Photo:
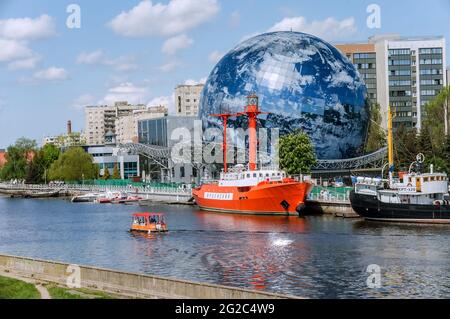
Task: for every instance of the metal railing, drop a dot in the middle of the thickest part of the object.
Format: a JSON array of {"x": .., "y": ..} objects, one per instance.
[{"x": 99, "y": 188}]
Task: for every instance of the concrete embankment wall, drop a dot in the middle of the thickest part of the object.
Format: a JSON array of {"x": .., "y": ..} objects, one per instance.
[{"x": 124, "y": 283}]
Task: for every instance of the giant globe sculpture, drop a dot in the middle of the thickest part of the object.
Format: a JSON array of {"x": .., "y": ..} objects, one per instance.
[{"x": 304, "y": 82}]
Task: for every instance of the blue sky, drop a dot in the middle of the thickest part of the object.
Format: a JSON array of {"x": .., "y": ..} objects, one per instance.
[{"x": 140, "y": 50}]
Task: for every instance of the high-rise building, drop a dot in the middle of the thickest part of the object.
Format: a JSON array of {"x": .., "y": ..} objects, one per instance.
[
  {"x": 409, "y": 73},
  {"x": 101, "y": 119},
  {"x": 127, "y": 126},
  {"x": 187, "y": 99}
]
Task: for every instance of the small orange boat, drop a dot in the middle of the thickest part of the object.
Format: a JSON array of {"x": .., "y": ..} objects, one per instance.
[{"x": 149, "y": 223}]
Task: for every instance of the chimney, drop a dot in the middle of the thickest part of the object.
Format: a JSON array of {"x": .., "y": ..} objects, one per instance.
[{"x": 69, "y": 127}]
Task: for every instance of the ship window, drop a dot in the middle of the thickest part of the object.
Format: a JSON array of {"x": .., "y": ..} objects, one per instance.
[
  {"x": 278, "y": 174},
  {"x": 425, "y": 179},
  {"x": 432, "y": 179},
  {"x": 410, "y": 180},
  {"x": 248, "y": 175},
  {"x": 254, "y": 175},
  {"x": 260, "y": 175},
  {"x": 267, "y": 175}
]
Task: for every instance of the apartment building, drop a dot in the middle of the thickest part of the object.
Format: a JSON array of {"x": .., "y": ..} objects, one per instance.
[
  {"x": 187, "y": 99},
  {"x": 405, "y": 73},
  {"x": 101, "y": 119},
  {"x": 127, "y": 126}
]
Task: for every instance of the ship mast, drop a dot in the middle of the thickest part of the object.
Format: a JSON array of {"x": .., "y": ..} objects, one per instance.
[
  {"x": 224, "y": 117},
  {"x": 252, "y": 111},
  {"x": 390, "y": 145}
]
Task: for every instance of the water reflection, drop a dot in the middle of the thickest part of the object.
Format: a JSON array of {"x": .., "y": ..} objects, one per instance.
[{"x": 320, "y": 257}]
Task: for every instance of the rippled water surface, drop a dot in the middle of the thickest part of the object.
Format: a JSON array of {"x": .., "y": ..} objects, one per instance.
[{"x": 315, "y": 257}]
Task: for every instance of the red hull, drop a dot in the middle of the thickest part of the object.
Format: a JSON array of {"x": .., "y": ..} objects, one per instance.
[{"x": 264, "y": 199}]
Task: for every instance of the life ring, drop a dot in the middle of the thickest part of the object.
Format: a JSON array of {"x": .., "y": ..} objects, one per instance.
[{"x": 409, "y": 185}]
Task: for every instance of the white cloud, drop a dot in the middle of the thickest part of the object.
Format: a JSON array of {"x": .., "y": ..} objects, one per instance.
[
  {"x": 98, "y": 57},
  {"x": 169, "y": 66},
  {"x": 215, "y": 57},
  {"x": 235, "y": 19},
  {"x": 27, "y": 28},
  {"x": 328, "y": 29},
  {"x": 178, "y": 16},
  {"x": 83, "y": 100},
  {"x": 125, "y": 92},
  {"x": 176, "y": 43},
  {"x": 94, "y": 57},
  {"x": 22, "y": 64},
  {"x": 167, "y": 101},
  {"x": 195, "y": 82},
  {"x": 51, "y": 74},
  {"x": 13, "y": 49}
]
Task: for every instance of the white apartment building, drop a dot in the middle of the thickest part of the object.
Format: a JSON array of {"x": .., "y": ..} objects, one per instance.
[
  {"x": 187, "y": 99},
  {"x": 410, "y": 73},
  {"x": 101, "y": 119},
  {"x": 127, "y": 126}
]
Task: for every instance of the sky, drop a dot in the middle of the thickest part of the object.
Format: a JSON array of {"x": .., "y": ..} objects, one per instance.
[{"x": 51, "y": 65}]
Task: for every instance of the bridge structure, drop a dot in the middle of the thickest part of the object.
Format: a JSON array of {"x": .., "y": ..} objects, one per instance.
[{"x": 370, "y": 162}]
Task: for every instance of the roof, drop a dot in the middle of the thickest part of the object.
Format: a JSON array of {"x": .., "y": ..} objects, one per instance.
[{"x": 147, "y": 214}]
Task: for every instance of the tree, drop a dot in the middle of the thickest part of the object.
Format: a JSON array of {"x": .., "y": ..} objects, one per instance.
[
  {"x": 17, "y": 158},
  {"x": 405, "y": 146},
  {"x": 297, "y": 154},
  {"x": 116, "y": 173},
  {"x": 376, "y": 138},
  {"x": 106, "y": 174},
  {"x": 73, "y": 165},
  {"x": 37, "y": 168}
]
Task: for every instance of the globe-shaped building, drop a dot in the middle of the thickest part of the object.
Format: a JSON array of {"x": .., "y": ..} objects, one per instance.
[{"x": 304, "y": 82}]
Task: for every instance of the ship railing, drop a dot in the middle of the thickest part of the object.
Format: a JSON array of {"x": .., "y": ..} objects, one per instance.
[{"x": 329, "y": 198}]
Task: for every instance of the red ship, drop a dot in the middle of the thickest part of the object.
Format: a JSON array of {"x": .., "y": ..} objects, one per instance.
[{"x": 252, "y": 191}]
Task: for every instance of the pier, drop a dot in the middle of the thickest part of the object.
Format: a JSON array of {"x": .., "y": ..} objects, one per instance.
[{"x": 167, "y": 195}]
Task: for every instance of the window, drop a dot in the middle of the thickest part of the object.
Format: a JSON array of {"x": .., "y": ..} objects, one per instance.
[
  {"x": 399, "y": 52},
  {"x": 399, "y": 62},
  {"x": 430, "y": 51}
]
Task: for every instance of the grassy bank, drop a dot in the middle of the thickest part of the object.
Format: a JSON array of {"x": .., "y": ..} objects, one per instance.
[
  {"x": 57, "y": 292},
  {"x": 17, "y": 289}
]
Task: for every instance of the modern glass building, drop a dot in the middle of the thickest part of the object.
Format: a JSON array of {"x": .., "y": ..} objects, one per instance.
[{"x": 158, "y": 132}]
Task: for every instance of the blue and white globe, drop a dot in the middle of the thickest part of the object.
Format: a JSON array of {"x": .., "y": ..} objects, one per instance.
[{"x": 304, "y": 82}]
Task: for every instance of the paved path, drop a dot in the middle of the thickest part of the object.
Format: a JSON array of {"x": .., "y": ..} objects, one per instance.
[{"x": 41, "y": 289}]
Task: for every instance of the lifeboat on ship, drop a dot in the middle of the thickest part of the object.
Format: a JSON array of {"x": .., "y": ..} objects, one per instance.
[{"x": 263, "y": 191}]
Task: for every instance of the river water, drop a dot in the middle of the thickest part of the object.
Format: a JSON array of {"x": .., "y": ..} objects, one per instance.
[{"x": 314, "y": 257}]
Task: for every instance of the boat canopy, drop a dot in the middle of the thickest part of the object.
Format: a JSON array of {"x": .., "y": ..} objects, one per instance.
[{"x": 147, "y": 214}]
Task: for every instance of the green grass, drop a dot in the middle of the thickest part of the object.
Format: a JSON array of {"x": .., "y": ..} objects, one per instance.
[
  {"x": 17, "y": 289},
  {"x": 57, "y": 292}
]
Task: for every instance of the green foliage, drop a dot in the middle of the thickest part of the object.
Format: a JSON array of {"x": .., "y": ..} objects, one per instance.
[
  {"x": 106, "y": 174},
  {"x": 297, "y": 154},
  {"x": 37, "y": 168},
  {"x": 17, "y": 158},
  {"x": 116, "y": 172},
  {"x": 17, "y": 289},
  {"x": 74, "y": 164},
  {"x": 431, "y": 141},
  {"x": 376, "y": 138}
]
